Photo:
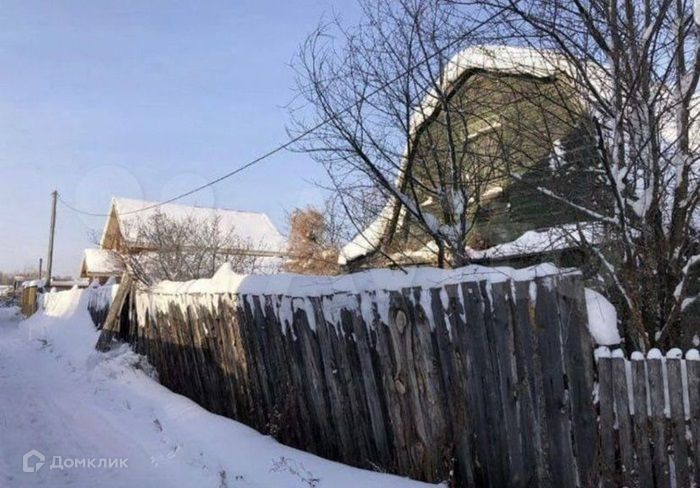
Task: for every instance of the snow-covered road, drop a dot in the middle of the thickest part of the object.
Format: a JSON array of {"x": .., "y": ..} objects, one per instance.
[
  {"x": 64, "y": 400},
  {"x": 44, "y": 408}
]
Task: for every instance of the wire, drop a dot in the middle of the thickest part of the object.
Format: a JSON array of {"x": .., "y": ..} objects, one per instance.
[{"x": 300, "y": 136}]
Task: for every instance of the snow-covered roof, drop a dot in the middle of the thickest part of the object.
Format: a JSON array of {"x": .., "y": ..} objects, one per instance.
[
  {"x": 101, "y": 262},
  {"x": 532, "y": 242},
  {"x": 367, "y": 240},
  {"x": 254, "y": 230},
  {"x": 40, "y": 283},
  {"x": 507, "y": 60}
]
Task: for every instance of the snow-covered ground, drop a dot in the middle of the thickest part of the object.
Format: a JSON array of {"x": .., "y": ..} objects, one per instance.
[{"x": 91, "y": 410}]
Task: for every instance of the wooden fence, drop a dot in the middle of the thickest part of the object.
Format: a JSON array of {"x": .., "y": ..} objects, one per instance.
[
  {"x": 486, "y": 383},
  {"x": 650, "y": 420}
]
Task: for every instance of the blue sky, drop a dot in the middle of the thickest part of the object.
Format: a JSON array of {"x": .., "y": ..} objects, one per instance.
[{"x": 144, "y": 99}]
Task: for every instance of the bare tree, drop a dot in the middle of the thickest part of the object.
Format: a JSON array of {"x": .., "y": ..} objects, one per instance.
[
  {"x": 375, "y": 92},
  {"x": 606, "y": 133},
  {"x": 178, "y": 249},
  {"x": 635, "y": 67}
]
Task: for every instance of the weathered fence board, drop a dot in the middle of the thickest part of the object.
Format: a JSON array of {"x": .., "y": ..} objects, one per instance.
[
  {"x": 653, "y": 435},
  {"x": 643, "y": 472},
  {"x": 693, "y": 370},
  {"x": 607, "y": 423}
]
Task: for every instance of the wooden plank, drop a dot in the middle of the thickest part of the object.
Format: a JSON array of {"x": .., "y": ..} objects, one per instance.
[
  {"x": 263, "y": 350},
  {"x": 392, "y": 390},
  {"x": 441, "y": 334},
  {"x": 405, "y": 382},
  {"x": 607, "y": 422},
  {"x": 624, "y": 421},
  {"x": 369, "y": 385},
  {"x": 643, "y": 472},
  {"x": 492, "y": 391},
  {"x": 462, "y": 426},
  {"x": 487, "y": 472},
  {"x": 505, "y": 357},
  {"x": 279, "y": 424},
  {"x": 532, "y": 425},
  {"x": 314, "y": 384},
  {"x": 678, "y": 432},
  {"x": 234, "y": 316},
  {"x": 339, "y": 417},
  {"x": 110, "y": 328},
  {"x": 248, "y": 331},
  {"x": 579, "y": 367},
  {"x": 561, "y": 458},
  {"x": 359, "y": 387},
  {"x": 658, "y": 418},
  {"x": 427, "y": 396},
  {"x": 693, "y": 369}
]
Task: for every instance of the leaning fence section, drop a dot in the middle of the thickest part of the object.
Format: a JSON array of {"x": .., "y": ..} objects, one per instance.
[
  {"x": 649, "y": 418},
  {"x": 488, "y": 382},
  {"x": 99, "y": 302}
]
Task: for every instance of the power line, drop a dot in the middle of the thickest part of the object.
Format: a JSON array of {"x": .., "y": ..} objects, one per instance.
[{"x": 300, "y": 136}]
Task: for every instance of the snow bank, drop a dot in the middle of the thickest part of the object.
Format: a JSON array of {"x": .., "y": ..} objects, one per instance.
[
  {"x": 165, "y": 436},
  {"x": 63, "y": 321},
  {"x": 602, "y": 319}
]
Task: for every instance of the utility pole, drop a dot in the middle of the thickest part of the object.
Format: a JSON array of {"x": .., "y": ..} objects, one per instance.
[
  {"x": 41, "y": 265},
  {"x": 52, "y": 232}
]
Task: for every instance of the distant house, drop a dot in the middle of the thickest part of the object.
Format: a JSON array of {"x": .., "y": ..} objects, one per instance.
[
  {"x": 250, "y": 234},
  {"x": 100, "y": 264}
]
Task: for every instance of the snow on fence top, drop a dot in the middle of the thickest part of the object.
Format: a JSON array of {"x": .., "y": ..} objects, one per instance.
[
  {"x": 293, "y": 292},
  {"x": 227, "y": 281}
]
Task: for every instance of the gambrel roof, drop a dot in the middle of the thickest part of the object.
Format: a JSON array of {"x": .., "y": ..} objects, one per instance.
[{"x": 506, "y": 60}]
